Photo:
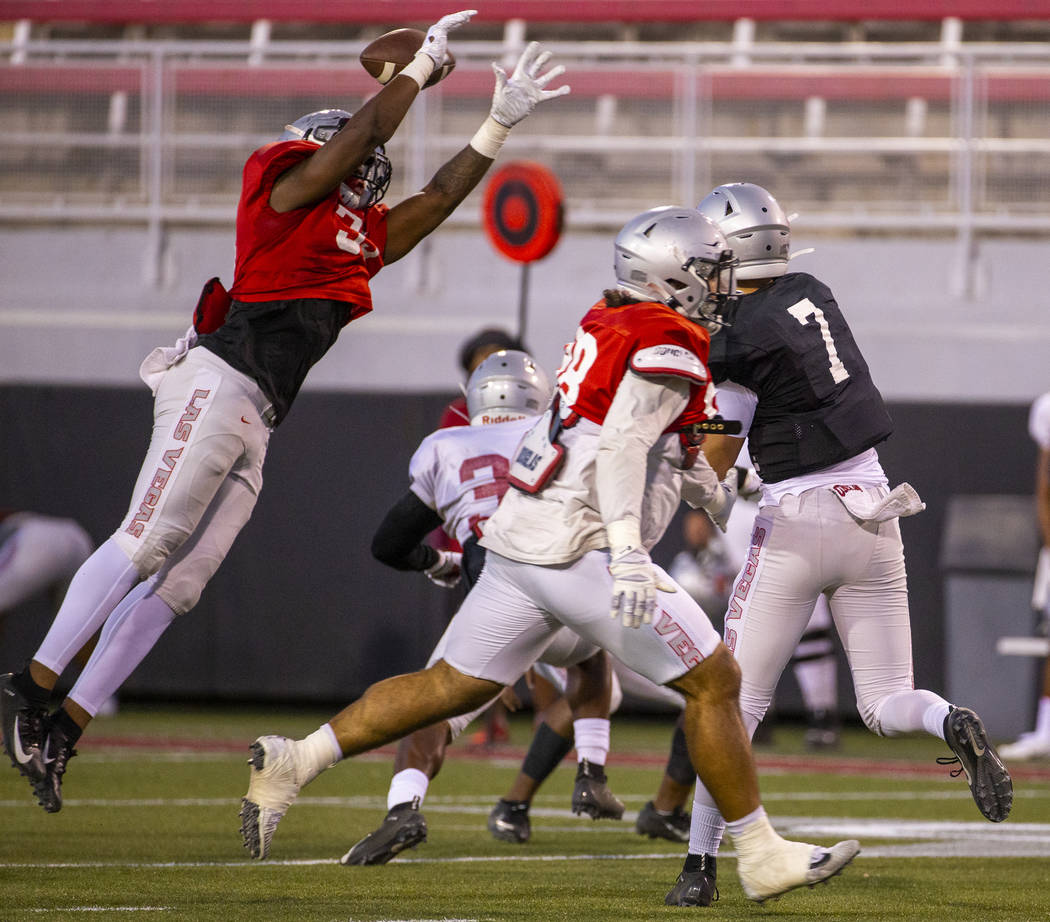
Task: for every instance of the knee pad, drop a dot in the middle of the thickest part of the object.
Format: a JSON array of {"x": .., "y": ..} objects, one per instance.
[{"x": 181, "y": 584}]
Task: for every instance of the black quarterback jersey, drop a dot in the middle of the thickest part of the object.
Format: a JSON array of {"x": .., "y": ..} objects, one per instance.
[{"x": 817, "y": 405}]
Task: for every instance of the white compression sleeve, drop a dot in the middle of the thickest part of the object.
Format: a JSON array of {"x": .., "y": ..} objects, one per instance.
[{"x": 642, "y": 408}]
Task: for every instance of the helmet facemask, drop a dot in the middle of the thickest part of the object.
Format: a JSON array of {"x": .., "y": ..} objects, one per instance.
[
  {"x": 677, "y": 257},
  {"x": 717, "y": 309},
  {"x": 369, "y": 181}
]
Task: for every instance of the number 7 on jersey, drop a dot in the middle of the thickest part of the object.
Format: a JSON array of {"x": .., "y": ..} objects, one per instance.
[{"x": 805, "y": 309}]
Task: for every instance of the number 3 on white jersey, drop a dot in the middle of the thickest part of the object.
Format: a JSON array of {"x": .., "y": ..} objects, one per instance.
[
  {"x": 579, "y": 357},
  {"x": 802, "y": 312}
]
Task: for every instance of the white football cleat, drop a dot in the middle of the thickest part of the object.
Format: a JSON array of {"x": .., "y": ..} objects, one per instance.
[
  {"x": 273, "y": 786},
  {"x": 1027, "y": 746},
  {"x": 769, "y": 865}
]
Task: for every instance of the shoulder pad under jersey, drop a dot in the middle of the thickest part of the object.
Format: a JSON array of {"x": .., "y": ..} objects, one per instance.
[{"x": 669, "y": 359}]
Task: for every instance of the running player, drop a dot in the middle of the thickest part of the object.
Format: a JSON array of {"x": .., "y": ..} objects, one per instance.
[
  {"x": 458, "y": 476},
  {"x": 790, "y": 371},
  {"x": 598, "y": 478}
]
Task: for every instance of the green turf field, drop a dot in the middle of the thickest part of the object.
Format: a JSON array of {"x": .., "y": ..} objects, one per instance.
[{"x": 149, "y": 830}]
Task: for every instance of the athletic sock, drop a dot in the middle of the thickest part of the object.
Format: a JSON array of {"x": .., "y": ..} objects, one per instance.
[
  {"x": 409, "y": 784},
  {"x": 705, "y": 830},
  {"x": 592, "y": 739},
  {"x": 1042, "y": 718},
  {"x": 316, "y": 752}
]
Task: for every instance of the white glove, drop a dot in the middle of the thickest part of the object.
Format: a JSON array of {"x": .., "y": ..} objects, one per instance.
[
  {"x": 748, "y": 483},
  {"x": 435, "y": 45},
  {"x": 634, "y": 580},
  {"x": 721, "y": 503},
  {"x": 634, "y": 587},
  {"x": 516, "y": 96},
  {"x": 447, "y": 571}
]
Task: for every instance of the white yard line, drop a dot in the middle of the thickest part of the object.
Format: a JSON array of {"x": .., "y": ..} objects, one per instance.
[{"x": 935, "y": 840}]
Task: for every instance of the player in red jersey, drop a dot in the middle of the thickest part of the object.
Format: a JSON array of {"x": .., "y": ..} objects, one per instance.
[
  {"x": 599, "y": 477},
  {"x": 310, "y": 234}
]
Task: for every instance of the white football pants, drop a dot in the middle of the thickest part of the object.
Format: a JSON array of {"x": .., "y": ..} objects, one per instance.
[{"x": 509, "y": 617}]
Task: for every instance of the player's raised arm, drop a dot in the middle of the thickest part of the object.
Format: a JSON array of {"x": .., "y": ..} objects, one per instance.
[
  {"x": 373, "y": 124},
  {"x": 512, "y": 100}
]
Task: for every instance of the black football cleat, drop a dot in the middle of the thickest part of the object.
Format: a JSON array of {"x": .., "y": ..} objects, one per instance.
[
  {"x": 592, "y": 795},
  {"x": 695, "y": 888},
  {"x": 403, "y": 827},
  {"x": 23, "y": 729},
  {"x": 509, "y": 821},
  {"x": 990, "y": 783},
  {"x": 58, "y": 750},
  {"x": 656, "y": 824}
]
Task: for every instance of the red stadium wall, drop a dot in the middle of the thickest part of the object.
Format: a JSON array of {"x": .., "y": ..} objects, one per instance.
[{"x": 636, "y": 11}]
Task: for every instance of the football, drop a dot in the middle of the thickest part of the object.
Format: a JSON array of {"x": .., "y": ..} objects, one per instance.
[{"x": 387, "y": 55}]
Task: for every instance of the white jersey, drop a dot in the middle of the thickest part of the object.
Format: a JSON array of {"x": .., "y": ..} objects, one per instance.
[
  {"x": 1039, "y": 421},
  {"x": 562, "y": 522},
  {"x": 461, "y": 472}
]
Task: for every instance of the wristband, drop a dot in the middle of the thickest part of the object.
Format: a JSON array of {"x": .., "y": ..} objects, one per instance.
[
  {"x": 419, "y": 68},
  {"x": 624, "y": 534},
  {"x": 489, "y": 138}
]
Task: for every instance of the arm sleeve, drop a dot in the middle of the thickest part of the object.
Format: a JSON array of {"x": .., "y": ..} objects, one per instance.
[
  {"x": 699, "y": 483},
  {"x": 398, "y": 542},
  {"x": 638, "y": 415},
  {"x": 737, "y": 403}
]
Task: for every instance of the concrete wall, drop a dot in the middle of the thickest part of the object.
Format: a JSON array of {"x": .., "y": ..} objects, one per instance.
[
  {"x": 300, "y": 610},
  {"x": 75, "y": 308}
]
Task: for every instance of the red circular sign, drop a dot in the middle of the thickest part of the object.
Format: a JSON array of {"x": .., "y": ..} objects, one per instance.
[{"x": 523, "y": 210}]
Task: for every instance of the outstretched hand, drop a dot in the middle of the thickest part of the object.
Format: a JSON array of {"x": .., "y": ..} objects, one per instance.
[
  {"x": 517, "y": 95},
  {"x": 435, "y": 45}
]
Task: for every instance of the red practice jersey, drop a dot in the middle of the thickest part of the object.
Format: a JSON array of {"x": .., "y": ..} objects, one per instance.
[
  {"x": 337, "y": 249},
  {"x": 608, "y": 342}
]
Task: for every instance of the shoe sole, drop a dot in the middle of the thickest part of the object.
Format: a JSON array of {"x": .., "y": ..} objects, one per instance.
[
  {"x": 250, "y": 828},
  {"x": 990, "y": 783},
  {"x": 670, "y": 899},
  {"x": 251, "y": 812},
  {"x": 596, "y": 812}
]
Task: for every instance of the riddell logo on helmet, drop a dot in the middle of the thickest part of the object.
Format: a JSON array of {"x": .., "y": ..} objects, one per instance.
[{"x": 487, "y": 418}]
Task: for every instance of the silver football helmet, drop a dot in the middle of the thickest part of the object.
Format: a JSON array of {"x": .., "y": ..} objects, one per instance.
[
  {"x": 678, "y": 257},
  {"x": 507, "y": 385},
  {"x": 755, "y": 227},
  {"x": 370, "y": 180}
]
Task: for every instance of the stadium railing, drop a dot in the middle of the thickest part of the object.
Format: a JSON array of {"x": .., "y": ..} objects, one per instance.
[{"x": 860, "y": 137}]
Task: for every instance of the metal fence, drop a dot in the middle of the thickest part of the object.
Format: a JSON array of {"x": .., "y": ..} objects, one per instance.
[{"x": 855, "y": 137}]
